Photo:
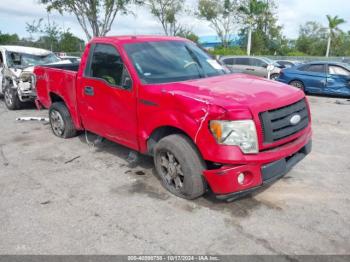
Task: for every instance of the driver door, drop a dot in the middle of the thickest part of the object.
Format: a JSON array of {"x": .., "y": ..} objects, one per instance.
[
  {"x": 338, "y": 80},
  {"x": 106, "y": 97}
]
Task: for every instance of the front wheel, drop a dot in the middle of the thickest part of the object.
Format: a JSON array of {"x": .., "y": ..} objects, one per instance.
[
  {"x": 12, "y": 101},
  {"x": 298, "y": 84},
  {"x": 180, "y": 166},
  {"x": 61, "y": 121}
]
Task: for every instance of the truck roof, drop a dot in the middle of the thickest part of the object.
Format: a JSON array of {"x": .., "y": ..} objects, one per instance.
[
  {"x": 137, "y": 38},
  {"x": 25, "y": 49}
]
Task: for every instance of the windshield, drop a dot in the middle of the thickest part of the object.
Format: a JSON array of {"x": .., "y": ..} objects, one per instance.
[
  {"x": 347, "y": 66},
  {"x": 171, "y": 61},
  {"x": 23, "y": 60},
  {"x": 271, "y": 62}
]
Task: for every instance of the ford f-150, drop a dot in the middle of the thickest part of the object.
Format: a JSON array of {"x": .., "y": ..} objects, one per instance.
[{"x": 164, "y": 96}]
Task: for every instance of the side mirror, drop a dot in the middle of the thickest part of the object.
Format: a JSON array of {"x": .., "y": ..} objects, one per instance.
[
  {"x": 270, "y": 67},
  {"x": 127, "y": 82}
]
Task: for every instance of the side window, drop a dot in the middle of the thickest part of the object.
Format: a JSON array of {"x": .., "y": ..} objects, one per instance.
[
  {"x": 106, "y": 64},
  {"x": 13, "y": 59},
  {"x": 1, "y": 59},
  {"x": 338, "y": 70},
  {"x": 228, "y": 61},
  {"x": 303, "y": 68},
  {"x": 315, "y": 68},
  {"x": 257, "y": 62},
  {"x": 242, "y": 61}
]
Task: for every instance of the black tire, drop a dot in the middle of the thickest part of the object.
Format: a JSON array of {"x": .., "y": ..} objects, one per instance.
[
  {"x": 298, "y": 84},
  {"x": 61, "y": 121},
  {"x": 189, "y": 162},
  {"x": 11, "y": 98},
  {"x": 274, "y": 76}
]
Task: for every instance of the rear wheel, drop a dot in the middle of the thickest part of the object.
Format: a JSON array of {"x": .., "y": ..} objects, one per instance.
[
  {"x": 298, "y": 84},
  {"x": 61, "y": 121},
  {"x": 180, "y": 166},
  {"x": 12, "y": 101}
]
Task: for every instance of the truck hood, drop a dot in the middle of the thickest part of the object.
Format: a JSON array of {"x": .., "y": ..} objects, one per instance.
[
  {"x": 230, "y": 91},
  {"x": 16, "y": 72}
]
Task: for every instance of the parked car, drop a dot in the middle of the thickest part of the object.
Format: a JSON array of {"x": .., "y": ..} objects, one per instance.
[
  {"x": 329, "y": 78},
  {"x": 252, "y": 65},
  {"x": 165, "y": 97},
  {"x": 72, "y": 59},
  {"x": 287, "y": 63},
  {"x": 16, "y": 67}
]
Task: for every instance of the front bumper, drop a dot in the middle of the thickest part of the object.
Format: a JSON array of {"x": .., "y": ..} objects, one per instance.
[
  {"x": 26, "y": 92},
  {"x": 224, "y": 184}
]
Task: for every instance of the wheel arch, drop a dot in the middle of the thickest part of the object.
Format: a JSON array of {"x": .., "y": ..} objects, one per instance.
[
  {"x": 56, "y": 98},
  {"x": 162, "y": 131}
]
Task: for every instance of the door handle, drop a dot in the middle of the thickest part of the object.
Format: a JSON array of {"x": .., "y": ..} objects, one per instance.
[
  {"x": 89, "y": 91},
  {"x": 250, "y": 69}
]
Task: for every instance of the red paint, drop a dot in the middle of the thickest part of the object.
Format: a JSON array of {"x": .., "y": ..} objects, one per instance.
[{"x": 121, "y": 116}]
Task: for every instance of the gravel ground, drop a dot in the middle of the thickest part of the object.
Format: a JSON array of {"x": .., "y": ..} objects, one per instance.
[{"x": 66, "y": 197}]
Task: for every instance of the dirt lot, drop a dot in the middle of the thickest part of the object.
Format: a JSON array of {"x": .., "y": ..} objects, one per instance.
[{"x": 97, "y": 204}]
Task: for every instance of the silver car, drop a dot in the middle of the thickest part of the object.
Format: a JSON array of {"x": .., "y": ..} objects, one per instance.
[
  {"x": 259, "y": 66},
  {"x": 16, "y": 72}
]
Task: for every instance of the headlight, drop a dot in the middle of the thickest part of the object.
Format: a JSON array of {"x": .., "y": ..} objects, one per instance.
[{"x": 236, "y": 133}]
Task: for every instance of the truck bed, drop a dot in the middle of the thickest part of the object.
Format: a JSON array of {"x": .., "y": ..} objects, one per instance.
[
  {"x": 70, "y": 67},
  {"x": 55, "y": 82}
]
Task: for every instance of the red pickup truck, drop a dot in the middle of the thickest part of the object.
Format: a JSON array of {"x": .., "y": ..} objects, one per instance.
[{"x": 164, "y": 96}]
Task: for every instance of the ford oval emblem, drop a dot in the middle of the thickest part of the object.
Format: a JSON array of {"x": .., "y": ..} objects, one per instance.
[{"x": 295, "y": 119}]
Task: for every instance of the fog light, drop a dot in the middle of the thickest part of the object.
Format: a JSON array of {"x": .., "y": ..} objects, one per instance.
[{"x": 240, "y": 178}]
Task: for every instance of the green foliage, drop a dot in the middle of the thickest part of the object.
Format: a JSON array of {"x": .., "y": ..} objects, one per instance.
[
  {"x": 70, "y": 43},
  {"x": 295, "y": 53},
  {"x": 94, "y": 16},
  {"x": 341, "y": 44},
  {"x": 267, "y": 37},
  {"x": 185, "y": 33},
  {"x": 6, "y": 39},
  {"x": 222, "y": 16},
  {"x": 166, "y": 11},
  {"x": 312, "y": 39},
  {"x": 252, "y": 10},
  {"x": 50, "y": 37},
  {"x": 34, "y": 27},
  {"x": 222, "y": 51},
  {"x": 333, "y": 23}
]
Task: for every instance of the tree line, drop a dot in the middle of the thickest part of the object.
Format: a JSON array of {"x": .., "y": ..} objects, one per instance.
[
  {"x": 253, "y": 21},
  {"x": 47, "y": 35}
]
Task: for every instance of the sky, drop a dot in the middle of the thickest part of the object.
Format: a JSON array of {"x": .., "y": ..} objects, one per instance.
[{"x": 291, "y": 14}]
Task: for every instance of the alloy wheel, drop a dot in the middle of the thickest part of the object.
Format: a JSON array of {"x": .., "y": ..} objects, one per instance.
[
  {"x": 8, "y": 97},
  {"x": 171, "y": 170},
  {"x": 297, "y": 84},
  {"x": 57, "y": 123}
]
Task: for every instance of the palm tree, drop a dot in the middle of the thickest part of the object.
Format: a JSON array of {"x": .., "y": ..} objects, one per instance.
[
  {"x": 251, "y": 12},
  {"x": 333, "y": 23}
]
